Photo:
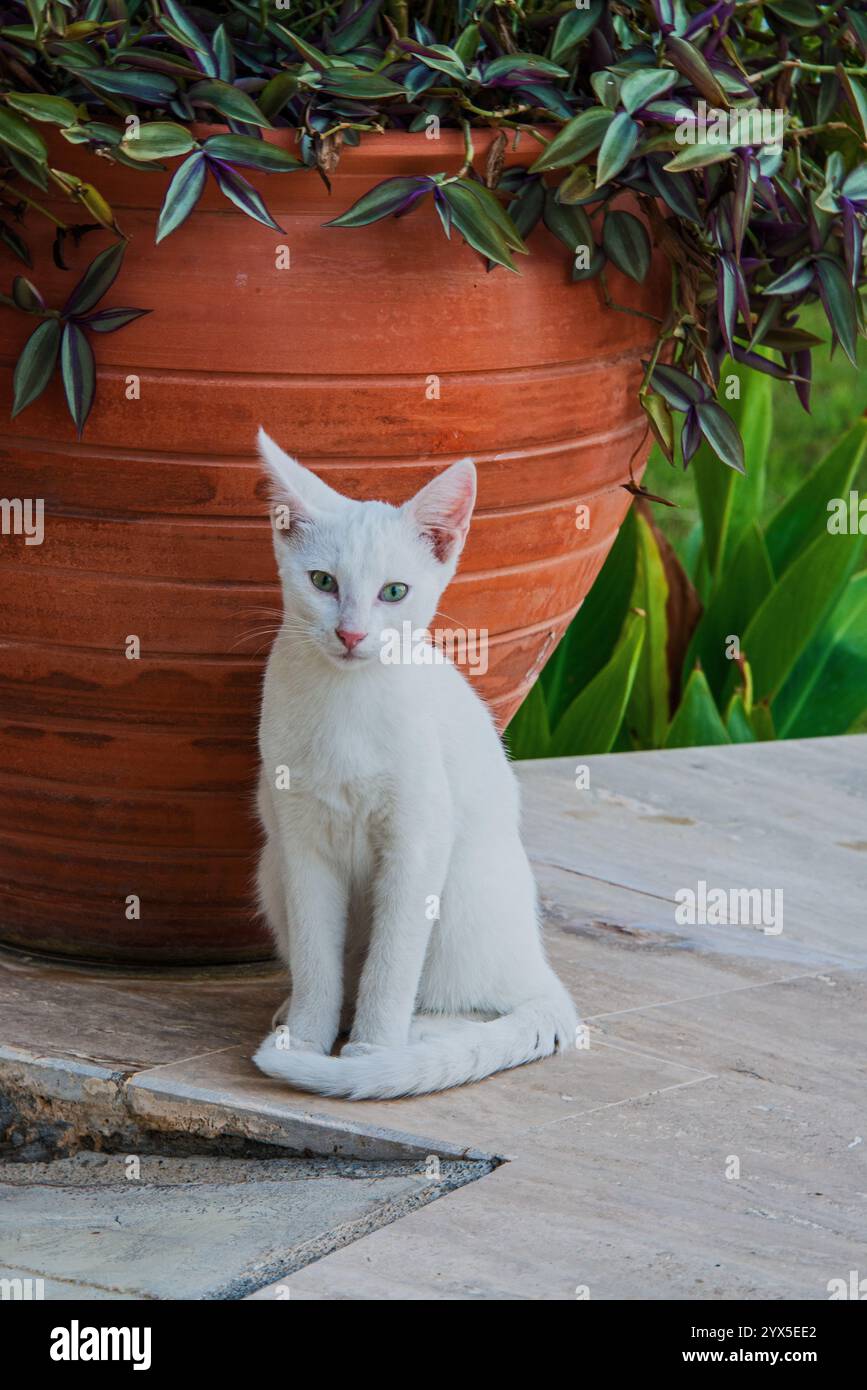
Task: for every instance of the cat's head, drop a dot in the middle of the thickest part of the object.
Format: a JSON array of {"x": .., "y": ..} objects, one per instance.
[{"x": 351, "y": 571}]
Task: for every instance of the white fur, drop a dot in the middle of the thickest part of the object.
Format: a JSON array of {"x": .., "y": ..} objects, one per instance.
[{"x": 400, "y": 795}]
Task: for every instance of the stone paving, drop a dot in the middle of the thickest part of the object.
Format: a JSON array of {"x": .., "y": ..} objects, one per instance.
[{"x": 709, "y": 1142}]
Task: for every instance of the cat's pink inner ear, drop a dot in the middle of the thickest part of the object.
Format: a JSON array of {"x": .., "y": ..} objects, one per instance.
[
  {"x": 288, "y": 508},
  {"x": 285, "y": 514},
  {"x": 286, "y": 476},
  {"x": 443, "y": 508}
]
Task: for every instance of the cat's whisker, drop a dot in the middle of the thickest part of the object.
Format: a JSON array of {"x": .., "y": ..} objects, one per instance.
[
  {"x": 256, "y": 632},
  {"x": 262, "y": 611},
  {"x": 440, "y": 614}
]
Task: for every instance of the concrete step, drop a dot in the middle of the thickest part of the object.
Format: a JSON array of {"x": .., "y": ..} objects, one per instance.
[{"x": 124, "y": 1226}]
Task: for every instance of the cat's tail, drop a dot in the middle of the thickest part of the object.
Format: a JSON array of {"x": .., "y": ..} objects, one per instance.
[{"x": 444, "y": 1052}]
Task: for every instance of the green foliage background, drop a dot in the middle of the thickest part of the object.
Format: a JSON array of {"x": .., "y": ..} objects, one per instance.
[{"x": 757, "y": 557}]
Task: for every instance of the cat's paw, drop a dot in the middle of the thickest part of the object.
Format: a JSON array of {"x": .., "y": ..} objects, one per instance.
[{"x": 285, "y": 1040}]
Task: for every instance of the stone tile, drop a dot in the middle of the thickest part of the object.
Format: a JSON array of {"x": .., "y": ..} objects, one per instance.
[
  {"x": 127, "y": 1023},
  {"x": 491, "y": 1116},
  {"x": 803, "y": 1040},
  {"x": 746, "y": 1180},
  {"x": 706, "y": 1044},
  {"x": 222, "y": 1093},
  {"x": 629, "y": 1201},
  {"x": 774, "y": 815},
  {"x": 191, "y": 1228}
]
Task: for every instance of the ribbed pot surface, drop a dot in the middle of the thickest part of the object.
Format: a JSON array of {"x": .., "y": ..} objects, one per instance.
[{"x": 378, "y": 356}]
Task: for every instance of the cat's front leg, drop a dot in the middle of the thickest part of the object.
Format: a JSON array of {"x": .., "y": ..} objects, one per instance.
[
  {"x": 317, "y": 900},
  {"x": 409, "y": 883}
]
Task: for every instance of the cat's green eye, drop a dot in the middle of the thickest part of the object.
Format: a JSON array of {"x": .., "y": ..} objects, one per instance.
[
  {"x": 394, "y": 592},
  {"x": 325, "y": 582}
]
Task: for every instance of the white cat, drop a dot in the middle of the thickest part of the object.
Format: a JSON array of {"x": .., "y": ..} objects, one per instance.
[{"x": 392, "y": 876}]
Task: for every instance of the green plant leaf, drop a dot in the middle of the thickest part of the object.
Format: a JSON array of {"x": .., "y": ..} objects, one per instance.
[
  {"x": 840, "y": 305},
  {"x": 231, "y": 102},
  {"x": 579, "y": 137},
  {"x": 762, "y": 723},
  {"x": 384, "y": 200},
  {"x": 528, "y": 734},
  {"x": 700, "y": 155},
  {"x": 242, "y": 193},
  {"x": 353, "y": 31},
  {"x": 592, "y": 721},
  {"x": 696, "y": 723},
  {"x": 626, "y": 244},
  {"x": 359, "y": 86},
  {"x": 441, "y": 58},
  {"x": 34, "y": 173},
  {"x": 690, "y": 61},
  {"x": 826, "y": 693},
  {"x": 523, "y": 62},
  {"x": 571, "y": 225},
  {"x": 187, "y": 33},
  {"x": 786, "y": 622},
  {"x": 275, "y": 94},
  {"x": 591, "y": 637},
  {"x": 647, "y": 713},
  {"x": 676, "y": 386},
  {"x": 224, "y": 53},
  {"x": 314, "y": 56},
  {"x": 855, "y": 185},
  {"x": 804, "y": 515},
  {"x": 466, "y": 45},
  {"x": 16, "y": 244},
  {"x": 527, "y": 206},
  {"x": 21, "y": 137},
  {"x": 661, "y": 422},
  {"x": 79, "y": 374},
  {"x": 577, "y": 187},
  {"x": 721, "y": 434},
  {"x": 182, "y": 194},
  {"x": 856, "y": 95},
  {"x": 746, "y": 584},
  {"x": 35, "y": 366},
  {"x": 797, "y": 278},
  {"x": 110, "y": 320},
  {"x": 802, "y": 12},
  {"x": 475, "y": 224},
  {"x": 56, "y": 110},
  {"x": 150, "y": 88},
  {"x": 737, "y": 721},
  {"x": 617, "y": 147},
  {"x": 26, "y": 296},
  {"x": 494, "y": 210},
  {"x": 158, "y": 140},
  {"x": 251, "y": 153},
  {"x": 573, "y": 27},
  {"x": 99, "y": 277},
  {"x": 641, "y": 87},
  {"x": 729, "y": 501}
]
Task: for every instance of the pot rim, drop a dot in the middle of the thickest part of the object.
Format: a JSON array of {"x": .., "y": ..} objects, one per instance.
[{"x": 397, "y": 143}]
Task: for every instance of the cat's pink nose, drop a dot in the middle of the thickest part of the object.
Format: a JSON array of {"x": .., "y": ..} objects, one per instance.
[{"x": 350, "y": 639}]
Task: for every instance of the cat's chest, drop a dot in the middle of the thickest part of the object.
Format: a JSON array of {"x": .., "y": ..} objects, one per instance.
[
  {"x": 350, "y": 806},
  {"x": 346, "y": 777},
  {"x": 348, "y": 751}
]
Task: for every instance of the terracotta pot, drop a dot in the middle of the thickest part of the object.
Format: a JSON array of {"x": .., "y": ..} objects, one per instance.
[{"x": 378, "y": 356}]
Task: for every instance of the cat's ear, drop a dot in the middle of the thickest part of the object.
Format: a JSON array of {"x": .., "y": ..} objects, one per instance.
[
  {"x": 442, "y": 509},
  {"x": 297, "y": 494}
]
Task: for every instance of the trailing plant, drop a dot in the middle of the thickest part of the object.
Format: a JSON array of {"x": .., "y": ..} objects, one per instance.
[
  {"x": 63, "y": 334},
  {"x": 755, "y": 632},
  {"x": 606, "y": 96}
]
